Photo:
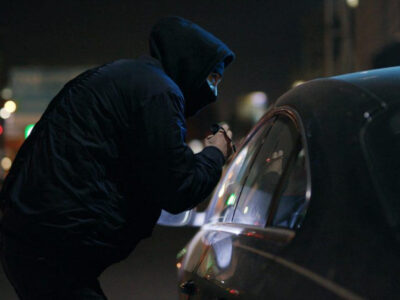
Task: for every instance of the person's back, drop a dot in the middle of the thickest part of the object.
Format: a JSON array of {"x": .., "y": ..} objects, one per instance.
[
  {"x": 107, "y": 155},
  {"x": 77, "y": 168}
]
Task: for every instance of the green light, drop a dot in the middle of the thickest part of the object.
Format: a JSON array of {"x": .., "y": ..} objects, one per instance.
[
  {"x": 28, "y": 129},
  {"x": 231, "y": 200},
  {"x": 209, "y": 263},
  {"x": 181, "y": 253}
]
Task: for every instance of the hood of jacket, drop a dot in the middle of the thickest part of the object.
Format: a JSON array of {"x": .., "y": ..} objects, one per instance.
[{"x": 188, "y": 54}]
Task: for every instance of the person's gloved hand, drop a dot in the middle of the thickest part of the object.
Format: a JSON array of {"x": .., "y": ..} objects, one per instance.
[{"x": 222, "y": 140}]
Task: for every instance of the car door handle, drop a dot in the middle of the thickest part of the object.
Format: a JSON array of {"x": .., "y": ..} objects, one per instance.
[{"x": 188, "y": 287}]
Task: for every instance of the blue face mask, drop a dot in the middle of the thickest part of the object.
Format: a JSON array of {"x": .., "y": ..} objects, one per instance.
[
  {"x": 213, "y": 80},
  {"x": 206, "y": 94}
]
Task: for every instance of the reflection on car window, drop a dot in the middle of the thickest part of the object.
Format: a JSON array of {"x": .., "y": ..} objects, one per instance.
[
  {"x": 266, "y": 172},
  {"x": 292, "y": 201},
  {"x": 225, "y": 196}
]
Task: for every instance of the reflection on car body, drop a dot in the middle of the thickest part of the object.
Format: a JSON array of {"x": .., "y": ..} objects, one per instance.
[{"x": 309, "y": 206}]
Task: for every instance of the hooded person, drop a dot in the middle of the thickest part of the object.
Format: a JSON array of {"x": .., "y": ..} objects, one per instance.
[{"x": 105, "y": 158}]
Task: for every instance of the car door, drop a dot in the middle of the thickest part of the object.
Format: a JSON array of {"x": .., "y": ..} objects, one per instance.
[
  {"x": 242, "y": 246},
  {"x": 221, "y": 208}
]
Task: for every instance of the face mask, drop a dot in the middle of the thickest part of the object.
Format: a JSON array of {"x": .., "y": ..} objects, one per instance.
[
  {"x": 197, "y": 101},
  {"x": 213, "y": 80},
  {"x": 206, "y": 94}
]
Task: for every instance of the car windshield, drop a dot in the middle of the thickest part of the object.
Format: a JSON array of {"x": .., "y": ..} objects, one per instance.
[{"x": 382, "y": 138}]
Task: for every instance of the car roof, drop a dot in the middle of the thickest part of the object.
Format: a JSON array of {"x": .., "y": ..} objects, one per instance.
[
  {"x": 360, "y": 94},
  {"x": 384, "y": 84}
]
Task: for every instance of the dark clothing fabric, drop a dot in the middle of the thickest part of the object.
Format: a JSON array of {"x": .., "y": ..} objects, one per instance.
[
  {"x": 107, "y": 155},
  {"x": 219, "y": 68},
  {"x": 109, "y": 152},
  {"x": 36, "y": 277}
]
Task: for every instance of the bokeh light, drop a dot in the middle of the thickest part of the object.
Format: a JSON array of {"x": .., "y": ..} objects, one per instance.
[
  {"x": 6, "y": 163},
  {"x": 28, "y": 129},
  {"x": 353, "y": 3},
  {"x": 297, "y": 83},
  {"x": 11, "y": 106},
  {"x": 6, "y": 93},
  {"x": 4, "y": 113}
]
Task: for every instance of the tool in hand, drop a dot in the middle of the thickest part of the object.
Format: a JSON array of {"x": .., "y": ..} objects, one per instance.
[{"x": 216, "y": 127}]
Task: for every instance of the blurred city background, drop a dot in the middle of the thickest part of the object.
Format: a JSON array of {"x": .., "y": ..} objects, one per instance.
[{"x": 279, "y": 44}]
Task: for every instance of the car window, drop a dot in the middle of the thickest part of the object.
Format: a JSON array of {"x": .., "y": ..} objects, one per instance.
[
  {"x": 224, "y": 198},
  {"x": 266, "y": 173},
  {"x": 382, "y": 145},
  {"x": 291, "y": 203}
]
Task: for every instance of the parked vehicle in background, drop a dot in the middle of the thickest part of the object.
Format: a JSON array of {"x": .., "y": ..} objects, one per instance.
[{"x": 309, "y": 206}]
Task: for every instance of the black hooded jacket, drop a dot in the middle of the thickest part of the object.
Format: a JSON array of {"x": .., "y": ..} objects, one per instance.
[{"x": 109, "y": 153}]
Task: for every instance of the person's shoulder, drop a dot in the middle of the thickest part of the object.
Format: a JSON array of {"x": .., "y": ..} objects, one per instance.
[{"x": 144, "y": 73}]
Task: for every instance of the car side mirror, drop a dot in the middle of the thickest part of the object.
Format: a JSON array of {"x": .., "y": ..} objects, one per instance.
[{"x": 186, "y": 218}]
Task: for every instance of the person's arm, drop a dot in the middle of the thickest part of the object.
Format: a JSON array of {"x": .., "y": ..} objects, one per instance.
[{"x": 177, "y": 177}]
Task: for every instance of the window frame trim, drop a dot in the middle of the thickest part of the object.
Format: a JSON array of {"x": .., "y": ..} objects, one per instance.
[{"x": 297, "y": 121}]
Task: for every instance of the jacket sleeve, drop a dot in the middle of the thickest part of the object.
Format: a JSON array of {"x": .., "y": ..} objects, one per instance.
[{"x": 176, "y": 177}]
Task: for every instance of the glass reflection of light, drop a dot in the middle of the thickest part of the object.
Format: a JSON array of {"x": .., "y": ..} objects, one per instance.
[
  {"x": 221, "y": 191},
  {"x": 229, "y": 229},
  {"x": 199, "y": 218},
  {"x": 234, "y": 292},
  {"x": 297, "y": 83},
  {"x": 169, "y": 219},
  {"x": 223, "y": 249},
  {"x": 301, "y": 153},
  {"x": 308, "y": 194},
  {"x": 231, "y": 200},
  {"x": 218, "y": 201},
  {"x": 186, "y": 217},
  {"x": 241, "y": 156}
]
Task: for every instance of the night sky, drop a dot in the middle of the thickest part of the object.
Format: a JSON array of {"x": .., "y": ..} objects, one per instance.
[{"x": 265, "y": 35}]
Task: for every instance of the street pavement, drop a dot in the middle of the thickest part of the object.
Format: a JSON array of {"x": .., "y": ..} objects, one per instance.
[{"x": 148, "y": 273}]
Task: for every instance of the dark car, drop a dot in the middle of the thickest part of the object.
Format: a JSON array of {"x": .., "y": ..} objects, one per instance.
[{"x": 309, "y": 206}]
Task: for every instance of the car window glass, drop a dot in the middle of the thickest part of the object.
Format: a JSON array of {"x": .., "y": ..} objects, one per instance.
[
  {"x": 265, "y": 174},
  {"x": 224, "y": 198},
  {"x": 292, "y": 205}
]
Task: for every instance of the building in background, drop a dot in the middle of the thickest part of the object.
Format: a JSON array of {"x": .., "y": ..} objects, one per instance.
[
  {"x": 359, "y": 31},
  {"x": 377, "y": 26},
  {"x": 343, "y": 36}
]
